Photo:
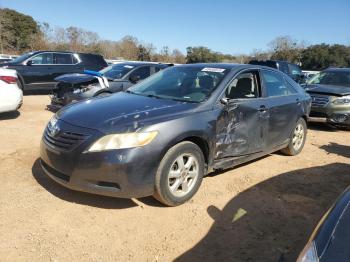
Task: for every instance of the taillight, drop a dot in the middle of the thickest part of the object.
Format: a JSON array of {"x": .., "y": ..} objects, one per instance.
[{"x": 9, "y": 79}]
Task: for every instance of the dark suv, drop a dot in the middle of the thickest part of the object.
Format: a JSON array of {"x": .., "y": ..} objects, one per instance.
[
  {"x": 37, "y": 70},
  {"x": 290, "y": 69}
]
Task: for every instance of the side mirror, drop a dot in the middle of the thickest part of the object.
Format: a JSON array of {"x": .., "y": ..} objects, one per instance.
[
  {"x": 134, "y": 79},
  {"x": 225, "y": 101},
  {"x": 29, "y": 63}
]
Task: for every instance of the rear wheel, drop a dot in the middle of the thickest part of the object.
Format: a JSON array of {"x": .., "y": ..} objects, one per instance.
[
  {"x": 297, "y": 139},
  {"x": 179, "y": 174}
]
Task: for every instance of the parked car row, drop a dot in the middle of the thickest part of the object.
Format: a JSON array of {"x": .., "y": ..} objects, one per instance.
[{"x": 162, "y": 135}]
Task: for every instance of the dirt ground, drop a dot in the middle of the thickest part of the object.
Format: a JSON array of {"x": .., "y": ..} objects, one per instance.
[{"x": 261, "y": 211}]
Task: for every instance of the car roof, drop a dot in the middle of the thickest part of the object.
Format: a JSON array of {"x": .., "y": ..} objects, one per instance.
[
  {"x": 63, "y": 52},
  {"x": 229, "y": 66},
  {"x": 337, "y": 69},
  {"x": 140, "y": 63}
]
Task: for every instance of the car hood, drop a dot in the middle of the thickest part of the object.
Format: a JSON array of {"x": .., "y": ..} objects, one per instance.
[
  {"x": 75, "y": 78},
  {"x": 123, "y": 112},
  {"x": 333, "y": 235},
  {"x": 328, "y": 89}
]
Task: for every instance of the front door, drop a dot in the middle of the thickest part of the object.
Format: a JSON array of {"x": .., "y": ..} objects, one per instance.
[
  {"x": 38, "y": 72},
  {"x": 242, "y": 125}
]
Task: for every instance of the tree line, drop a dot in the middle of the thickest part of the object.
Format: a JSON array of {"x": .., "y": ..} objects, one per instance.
[{"x": 21, "y": 33}]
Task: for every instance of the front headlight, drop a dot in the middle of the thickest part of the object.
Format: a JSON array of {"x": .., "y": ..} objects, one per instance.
[
  {"x": 309, "y": 254},
  {"x": 342, "y": 100},
  {"x": 121, "y": 141}
]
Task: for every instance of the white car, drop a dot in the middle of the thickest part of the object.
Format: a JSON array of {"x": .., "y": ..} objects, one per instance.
[{"x": 11, "y": 96}]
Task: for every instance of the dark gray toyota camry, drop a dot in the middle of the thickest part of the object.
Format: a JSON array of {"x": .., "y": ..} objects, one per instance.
[{"x": 161, "y": 136}]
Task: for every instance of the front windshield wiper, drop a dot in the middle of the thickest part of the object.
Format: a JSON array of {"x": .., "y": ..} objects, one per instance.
[{"x": 130, "y": 92}]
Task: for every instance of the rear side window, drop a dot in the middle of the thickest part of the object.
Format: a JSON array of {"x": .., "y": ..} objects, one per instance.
[
  {"x": 42, "y": 59},
  {"x": 142, "y": 72},
  {"x": 62, "y": 59},
  {"x": 275, "y": 84},
  {"x": 294, "y": 70}
]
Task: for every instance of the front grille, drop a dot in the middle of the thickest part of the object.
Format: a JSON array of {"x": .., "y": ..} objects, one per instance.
[
  {"x": 319, "y": 100},
  {"x": 64, "y": 140},
  {"x": 318, "y": 114}
]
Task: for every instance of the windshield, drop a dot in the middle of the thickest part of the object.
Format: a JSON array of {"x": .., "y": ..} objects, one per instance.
[
  {"x": 183, "y": 83},
  {"x": 337, "y": 78},
  {"x": 116, "y": 71},
  {"x": 21, "y": 58}
]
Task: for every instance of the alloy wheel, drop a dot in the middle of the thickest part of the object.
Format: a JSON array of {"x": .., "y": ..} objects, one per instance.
[
  {"x": 183, "y": 175},
  {"x": 298, "y": 137}
]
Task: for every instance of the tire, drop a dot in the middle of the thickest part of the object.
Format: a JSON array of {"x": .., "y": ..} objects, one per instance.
[
  {"x": 171, "y": 191},
  {"x": 297, "y": 139}
]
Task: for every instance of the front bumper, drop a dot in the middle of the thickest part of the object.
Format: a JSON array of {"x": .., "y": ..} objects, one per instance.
[
  {"x": 334, "y": 114},
  {"x": 122, "y": 173}
]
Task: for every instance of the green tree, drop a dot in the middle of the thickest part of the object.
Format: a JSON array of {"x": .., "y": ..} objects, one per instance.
[
  {"x": 201, "y": 54},
  {"x": 318, "y": 57},
  {"x": 16, "y": 30},
  {"x": 144, "y": 54}
]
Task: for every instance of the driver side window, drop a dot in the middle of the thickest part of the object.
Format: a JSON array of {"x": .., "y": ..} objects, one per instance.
[
  {"x": 141, "y": 73},
  {"x": 244, "y": 86},
  {"x": 42, "y": 59}
]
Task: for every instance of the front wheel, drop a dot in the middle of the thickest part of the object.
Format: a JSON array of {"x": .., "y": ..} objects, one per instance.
[
  {"x": 179, "y": 174},
  {"x": 297, "y": 139}
]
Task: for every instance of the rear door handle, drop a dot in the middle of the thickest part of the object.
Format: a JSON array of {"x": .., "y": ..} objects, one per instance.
[{"x": 298, "y": 101}]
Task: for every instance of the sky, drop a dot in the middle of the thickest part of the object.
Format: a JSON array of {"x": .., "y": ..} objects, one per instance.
[{"x": 227, "y": 26}]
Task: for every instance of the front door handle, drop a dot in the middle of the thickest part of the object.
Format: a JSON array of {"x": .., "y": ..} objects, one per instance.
[{"x": 298, "y": 101}]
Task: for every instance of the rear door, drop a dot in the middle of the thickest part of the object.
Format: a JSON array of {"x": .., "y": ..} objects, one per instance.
[
  {"x": 64, "y": 63},
  {"x": 283, "y": 103},
  {"x": 242, "y": 125}
]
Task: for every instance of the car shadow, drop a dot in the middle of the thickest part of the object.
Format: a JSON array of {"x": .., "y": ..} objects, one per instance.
[
  {"x": 334, "y": 148},
  {"x": 36, "y": 92},
  {"x": 9, "y": 115},
  {"x": 272, "y": 220},
  {"x": 75, "y": 196},
  {"x": 321, "y": 126}
]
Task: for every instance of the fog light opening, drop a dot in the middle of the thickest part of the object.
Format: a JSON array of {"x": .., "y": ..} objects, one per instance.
[{"x": 108, "y": 184}]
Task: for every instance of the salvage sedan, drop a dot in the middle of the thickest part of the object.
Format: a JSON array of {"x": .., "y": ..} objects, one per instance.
[{"x": 161, "y": 136}]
